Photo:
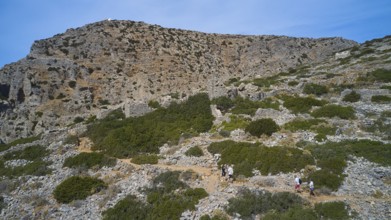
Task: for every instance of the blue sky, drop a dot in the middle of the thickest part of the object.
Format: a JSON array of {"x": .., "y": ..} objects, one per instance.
[{"x": 24, "y": 21}]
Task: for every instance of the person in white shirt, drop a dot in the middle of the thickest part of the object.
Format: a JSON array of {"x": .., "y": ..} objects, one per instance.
[
  {"x": 230, "y": 172},
  {"x": 312, "y": 188}
]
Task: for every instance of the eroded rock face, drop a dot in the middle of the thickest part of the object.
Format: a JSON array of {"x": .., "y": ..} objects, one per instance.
[{"x": 86, "y": 70}]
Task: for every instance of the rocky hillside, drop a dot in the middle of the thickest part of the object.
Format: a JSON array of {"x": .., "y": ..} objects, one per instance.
[
  {"x": 111, "y": 64},
  {"x": 120, "y": 119}
]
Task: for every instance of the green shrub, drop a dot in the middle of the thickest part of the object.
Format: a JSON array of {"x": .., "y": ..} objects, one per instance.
[
  {"x": 195, "y": 151},
  {"x": 77, "y": 187},
  {"x": 223, "y": 103},
  {"x": 145, "y": 159},
  {"x": 262, "y": 126},
  {"x": 235, "y": 122},
  {"x": 302, "y": 124},
  {"x": 248, "y": 203},
  {"x": 295, "y": 213},
  {"x": 247, "y": 156},
  {"x": 72, "y": 139},
  {"x": 352, "y": 97},
  {"x": 315, "y": 89},
  {"x": 301, "y": 104},
  {"x": 330, "y": 111},
  {"x": 131, "y": 136},
  {"x": 332, "y": 210},
  {"x": 266, "y": 82},
  {"x": 293, "y": 83},
  {"x": 154, "y": 104},
  {"x": 128, "y": 208},
  {"x": 78, "y": 120},
  {"x": 381, "y": 75},
  {"x": 4, "y": 147},
  {"x": 380, "y": 99},
  {"x": 89, "y": 160},
  {"x": 72, "y": 84},
  {"x": 331, "y": 157},
  {"x": 31, "y": 153},
  {"x": 248, "y": 107}
]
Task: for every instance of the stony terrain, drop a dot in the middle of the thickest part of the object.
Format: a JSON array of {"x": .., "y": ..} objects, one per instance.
[{"x": 92, "y": 70}]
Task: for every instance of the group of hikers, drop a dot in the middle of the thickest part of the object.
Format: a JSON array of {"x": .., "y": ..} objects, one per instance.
[
  {"x": 230, "y": 170},
  {"x": 298, "y": 183}
]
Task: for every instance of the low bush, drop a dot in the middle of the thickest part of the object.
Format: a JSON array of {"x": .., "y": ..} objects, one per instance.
[
  {"x": 302, "y": 124},
  {"x": 246, "y": 157},
  {"x": 235, "y": 122},
  {"x": 293, "y": 83},
  {"x": 248, "y": 107},
  {"x": 262, "y": 126},
  {"x": 250, "y": 203},
  {"x": 266, "y": 82},
  {"x": 128, "y": 137},
  {"x": 315, "y": 89},
  {"x": 168, "y": 198},
  {"x": 35, "y": 167},
  {"x": 89, "y": 160},
  {"x": 380, "y": 99},
  {"x": 330, "y": 111},
  {"x": 301, "y": 104},
  {"x": 332, "y": 210},
  {"x": 352, "y": 97},
  {"x": 78, "y": 120},
  {"x": 381, "y": 75},
  {"x": 154, "y": 104},
  {"x": 223, "y": 103},
  {"x": 77, "y": 188},
  {"x": 72, "y": 139},
  {"x": 331, "y": 158},
  {"x": 4, "y": 147},
  {"x": 195, "y": 151},
  {"x": 145, "y": 159},
  {"x": 295, "y": 213}
]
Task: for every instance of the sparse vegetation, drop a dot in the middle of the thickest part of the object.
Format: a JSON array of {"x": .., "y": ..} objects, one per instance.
[
  {"x": 352, "y": 97},
  {"x": 315, "y": 89},
  {"x": 145, "y": 159},
  {"x": 330, "y": 111},
  {"x": 195, "y": 151},
  {"x": 154, "y": 104},
  {"x": 4, "y": 147},
  {"x": 332, "y": 210},
  {"x": 77, "y": 187},
  {"x": 246, "y": 157},
  {"x": 236, "y": 122},
  {"x": 266, "y": 82},
  {"x": 381, "y": 75},
  {"x": 128, "y": 137},
  {"x": 36, "y": 166},
  {"x": 89, "y": 160},
  {"x": 262, "y": 126},
  {"x": 331, "y": 157},
  {"x": 167, "y": 199},
  {"x": 381, "y": 99},
  {"x": 246, "y": 106},
  {"x": 301, "y": 104}
]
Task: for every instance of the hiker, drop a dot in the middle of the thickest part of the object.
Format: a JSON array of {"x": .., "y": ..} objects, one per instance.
[
  {"x": 311, "y": 188},
  {"x": 231, "y": 173},
  {"x": 223, "y": 167},
  {"x": 297, "y": 183}
]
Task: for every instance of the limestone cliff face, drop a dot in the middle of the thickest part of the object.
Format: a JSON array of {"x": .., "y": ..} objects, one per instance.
[{"x": 110, "y": 64}]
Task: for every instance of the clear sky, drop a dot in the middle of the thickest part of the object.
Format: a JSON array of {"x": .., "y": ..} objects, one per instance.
[{"x": 24, "y": 21}]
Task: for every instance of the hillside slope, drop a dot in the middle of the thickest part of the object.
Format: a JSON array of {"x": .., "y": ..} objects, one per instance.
[{"x": 108, "y": 64}]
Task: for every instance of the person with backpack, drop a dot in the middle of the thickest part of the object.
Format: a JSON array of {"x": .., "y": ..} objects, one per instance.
[
  {"x": 223, "y": 167},
  {"x": 231, "y": 173},
  {"x": 297, "y": 183}
]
